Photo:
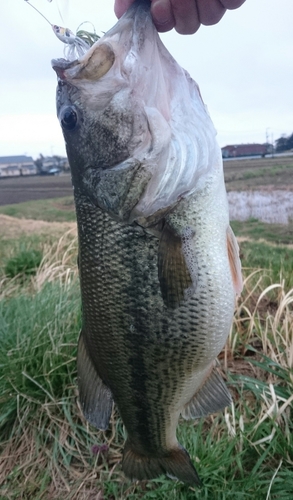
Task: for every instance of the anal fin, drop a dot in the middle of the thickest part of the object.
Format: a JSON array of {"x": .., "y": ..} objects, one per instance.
[
  {"x": 174, "y": 275},
  {"x": 213, "y": 396},
  {"x": 95, "y": 397}
]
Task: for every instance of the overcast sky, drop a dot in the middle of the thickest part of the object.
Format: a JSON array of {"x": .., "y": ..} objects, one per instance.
[{"x": 243, "y": 66}]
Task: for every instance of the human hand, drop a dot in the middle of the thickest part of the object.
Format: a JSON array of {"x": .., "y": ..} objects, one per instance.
[{"x": 185, "y": 16}]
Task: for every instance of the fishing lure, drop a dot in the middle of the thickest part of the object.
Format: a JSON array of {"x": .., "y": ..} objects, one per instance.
[
  {"x": 74, "y": 43},
  {"x": 88, "y": 36}
]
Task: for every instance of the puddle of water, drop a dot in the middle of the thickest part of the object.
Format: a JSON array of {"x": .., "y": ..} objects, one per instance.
[{"x": 274, "y": 207}]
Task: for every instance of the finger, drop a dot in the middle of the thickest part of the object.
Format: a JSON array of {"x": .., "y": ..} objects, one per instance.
[
  {"x": 210, "y": 11},
  {"x": 186, "y": 16},
  {"x": 121, "y": 6},
  {"x": 232, "y": 4},
  {"x": 162, "y": 15}
]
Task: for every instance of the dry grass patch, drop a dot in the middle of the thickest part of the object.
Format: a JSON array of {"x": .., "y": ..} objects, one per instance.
[{"x": 12, "y": 227}]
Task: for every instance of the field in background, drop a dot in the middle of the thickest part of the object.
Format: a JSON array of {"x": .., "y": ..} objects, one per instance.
[
  {"x": 48, "y": 451},
  {"x": 240, "y": 174},
  {"x": 259, "y": 173},
  {"x": 39, "y": 187}
]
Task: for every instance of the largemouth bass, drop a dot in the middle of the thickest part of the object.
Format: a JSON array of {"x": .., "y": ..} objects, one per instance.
[{"x": 158, "y": 261}]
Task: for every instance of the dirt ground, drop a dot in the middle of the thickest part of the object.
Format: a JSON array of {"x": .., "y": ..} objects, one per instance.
[{"x": 20, "y": 189}]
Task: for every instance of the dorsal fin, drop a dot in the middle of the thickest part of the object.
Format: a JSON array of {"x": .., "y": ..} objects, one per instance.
[
  {"x": 173, "y": 272},
  {"x": 234, "y": 260}
]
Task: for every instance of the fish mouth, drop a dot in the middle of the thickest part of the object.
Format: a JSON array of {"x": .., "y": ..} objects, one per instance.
[
  {"x": 61, "y": 65},
  {"x": 92, "y": 66}
]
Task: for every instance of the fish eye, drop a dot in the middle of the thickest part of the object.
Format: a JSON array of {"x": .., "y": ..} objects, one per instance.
[{"x": 68, "y": 118}]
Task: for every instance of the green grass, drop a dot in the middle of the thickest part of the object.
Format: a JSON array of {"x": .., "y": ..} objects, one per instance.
[
  {"x": 266, "y": 172},
  {"x": 24, "y": 263},
  {"x": 13, "y": 247},
  {"x": 274, "y": 261},
  {"x": 256, "y": 230},
  {"x": 27, "y": 263},
  {"x": 36, "y": 364},
  {"x": 51, "y": 210}
]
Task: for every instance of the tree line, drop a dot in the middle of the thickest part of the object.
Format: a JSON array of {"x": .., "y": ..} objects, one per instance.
[{"x": 284, "y": 143}]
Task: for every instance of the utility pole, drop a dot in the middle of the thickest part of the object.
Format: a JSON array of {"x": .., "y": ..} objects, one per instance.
[{"x": 267, "y": 139}]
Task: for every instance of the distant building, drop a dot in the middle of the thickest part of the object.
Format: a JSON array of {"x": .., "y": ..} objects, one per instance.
[
  {"x": 52, "y": 165},
  {"x": 29, "y": 170},
  {"x": 14, "y": 166},
  {"x": 236, "y": 150}
]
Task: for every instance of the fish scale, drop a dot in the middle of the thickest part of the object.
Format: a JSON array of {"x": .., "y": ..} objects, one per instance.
[
  {"x": 133, "y": 291},
  {"x": 125, "y": 319}
]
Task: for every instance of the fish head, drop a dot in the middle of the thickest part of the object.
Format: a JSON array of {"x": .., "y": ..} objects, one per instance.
[
  {"x": 99, "y": 101},
  {"x": 89, "y": 122},
  {"x": 131, "y": 116}
]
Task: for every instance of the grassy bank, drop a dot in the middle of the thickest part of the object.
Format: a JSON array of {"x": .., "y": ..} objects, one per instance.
[
  {"x": 52, "y": 210},
  {"x": 47, "y": 449},
  {"x": 256, "y": 230}
]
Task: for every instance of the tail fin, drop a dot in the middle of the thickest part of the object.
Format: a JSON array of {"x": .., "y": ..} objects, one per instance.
[{"x": 176, "y": 464}]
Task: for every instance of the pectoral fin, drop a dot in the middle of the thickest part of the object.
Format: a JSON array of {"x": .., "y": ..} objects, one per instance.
[
  {"x": 234, "y": 261},
  {"x": 174, "y": 275},
  {"x": 210, "y": 398},
  {"x": 95, "y": 398}
]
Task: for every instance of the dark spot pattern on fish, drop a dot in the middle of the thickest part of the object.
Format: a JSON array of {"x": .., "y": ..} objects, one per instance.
[{"x": 120, "y": 286}]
